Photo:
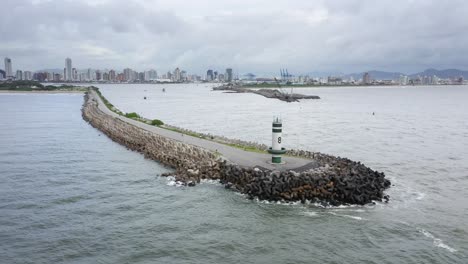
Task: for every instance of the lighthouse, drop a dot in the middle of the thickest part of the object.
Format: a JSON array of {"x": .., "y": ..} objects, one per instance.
[{"x": 276, "y": 150}]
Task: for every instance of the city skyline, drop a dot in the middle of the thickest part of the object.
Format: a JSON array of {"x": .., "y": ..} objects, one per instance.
[
  {"x": 129, "y": 75},
  {"x": 331, "y": 36},
  {"x": 72, "y": 74},
  {"x": 278, "y": 73}
]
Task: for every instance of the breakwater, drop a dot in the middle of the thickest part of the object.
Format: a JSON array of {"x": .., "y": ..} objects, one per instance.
[
  {"x": 326, "y": 178},
  {"x": 268, "y": 93}
]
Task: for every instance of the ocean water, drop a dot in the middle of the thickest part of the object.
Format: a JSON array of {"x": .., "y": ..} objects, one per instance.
[{"x": 68, "y": 194}]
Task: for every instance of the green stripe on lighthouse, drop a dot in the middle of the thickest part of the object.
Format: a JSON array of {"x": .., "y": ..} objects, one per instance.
[
  {"x": 277, "y": 130},
  {"x": 276, "y": 159}
]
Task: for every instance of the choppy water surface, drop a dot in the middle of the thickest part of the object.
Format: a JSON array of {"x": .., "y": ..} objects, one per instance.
[{"x": 68, "y": 194}]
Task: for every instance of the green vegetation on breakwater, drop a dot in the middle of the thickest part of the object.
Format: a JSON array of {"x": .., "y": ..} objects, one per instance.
[
  {"x": 30, "y": 86},
  {"x": 186, "y": 132},
  {"x": 132, "y": 115},
  {"x": 159, "y": 123},
  {"x": 247, "y": 148}
]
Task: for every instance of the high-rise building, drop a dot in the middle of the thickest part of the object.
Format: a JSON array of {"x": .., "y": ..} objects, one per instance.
[
  {"x": 120, "y": 77},
  {"x": 128, "y": 74},
  {"x": 2, "y": 74},
  {"x": 435, "y": 80},
  {"x": 183, "y": 76},
  {"x": 426, "y": 80},
  {"x": 112, "y": 75},
  {"x": 8, "y": 69},
  {"x": 209, "y": 75},
  {"x": 228, "y": 75},
  {"x": 98, "y": 75},
  {"x": 19, "y": 75},
  {"x": 56, "y": 77},
  {"x": 74, "y": 74},
  {"x": 221, "y": 77},
  {"x": 40, "y": 76},
  {"x": 68, "y": 70},
  {"x": 82, "y": 77},
  {"x": 27, "y": 75},
  {"x": 151, "y": 75},
  {"x": 88, "y": 75},
  {"x": 176, "y": 75},
  {"x": 366, "y": 78}
]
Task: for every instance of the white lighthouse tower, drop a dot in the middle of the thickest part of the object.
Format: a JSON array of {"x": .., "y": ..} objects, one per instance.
[{"x": 276, "y": 150}]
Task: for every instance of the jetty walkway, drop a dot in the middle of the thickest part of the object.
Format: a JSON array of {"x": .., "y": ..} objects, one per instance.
[
  {"x": 247, "y": 159},
  {"x": 311, "y": 176}
]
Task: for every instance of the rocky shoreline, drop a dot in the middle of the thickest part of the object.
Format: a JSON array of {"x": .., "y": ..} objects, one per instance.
[
  {"x": 268, "y": 93},
  {"x": 333, "y": 180}
]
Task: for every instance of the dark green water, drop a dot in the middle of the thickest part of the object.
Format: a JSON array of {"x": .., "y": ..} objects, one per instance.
[{"x": 68, "y": 194}]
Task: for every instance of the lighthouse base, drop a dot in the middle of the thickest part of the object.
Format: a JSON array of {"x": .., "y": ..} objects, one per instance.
[
  {"x": 276, "y": 157},
  {"x": 276, "y": 160}
]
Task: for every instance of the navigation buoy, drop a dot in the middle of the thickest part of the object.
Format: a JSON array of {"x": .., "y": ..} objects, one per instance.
[{"x": 276, "y": 150}]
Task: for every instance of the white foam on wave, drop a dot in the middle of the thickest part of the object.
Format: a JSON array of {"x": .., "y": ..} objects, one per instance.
[
  {"x": 349, "y": 210},
  {"x": 402, "y": 194},
  {"x": 344, "y": 206},
  {"x": 208, "y": 181},
  {"x": 437, "y": 241},
  {"x": 312, "y": 214},
  {"x": 271, "y": 202},
  {"x": 172, "y": 182},
  {"x": 354, "y": 217},
  {"x": 359, "y": 210},
  {"x": 420, "y": 195},
  {"x": 349, "y": 216}
]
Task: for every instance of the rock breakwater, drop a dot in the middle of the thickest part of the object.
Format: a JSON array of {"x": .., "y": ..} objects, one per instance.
[
  {"x": 332, "y": 180},
  {"x": 190, "y": 162},
  {"x": 268, "y": 93},
  {"x": 335, "y": 181}
]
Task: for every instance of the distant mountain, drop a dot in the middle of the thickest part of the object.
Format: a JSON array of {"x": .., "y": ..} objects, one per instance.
[
  {"x": 324, "y": 74},
  {"x": 444, "y": 74},
  {"x": 376, "y": 75},
  {"x": 382, "y": 75}
]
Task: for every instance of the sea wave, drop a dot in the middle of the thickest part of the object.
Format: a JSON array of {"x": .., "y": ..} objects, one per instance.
[
  {"x": 171, "y": 181},
  {"x": 349, "y": 216},
  {"x": 437, "y": 241},
  {"x": 208, "y": 181}
]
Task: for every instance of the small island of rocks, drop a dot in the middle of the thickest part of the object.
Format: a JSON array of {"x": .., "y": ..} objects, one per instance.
[{"x": 268, "y": 93}]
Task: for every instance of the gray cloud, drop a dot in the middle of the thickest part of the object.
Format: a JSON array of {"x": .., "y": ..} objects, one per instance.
[{"x": 259, "y": 36}]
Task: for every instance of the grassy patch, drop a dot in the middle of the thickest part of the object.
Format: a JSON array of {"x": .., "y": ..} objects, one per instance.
[
  {"x": 36, "y": 86},
  {"x": 189, "y": 133},
  {"x": 246, "y": 148},
  {"x": 157, "y": 122},
  {"x": 107, "y": 103},
  {"x": 132, "y": 115}
]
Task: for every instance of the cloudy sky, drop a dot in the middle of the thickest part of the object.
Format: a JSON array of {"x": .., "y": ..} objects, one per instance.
[{"x": 249, "y": 36}]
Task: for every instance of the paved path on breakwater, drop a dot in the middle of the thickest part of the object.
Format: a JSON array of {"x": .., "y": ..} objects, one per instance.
[{"x": 234, "y": 155}]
